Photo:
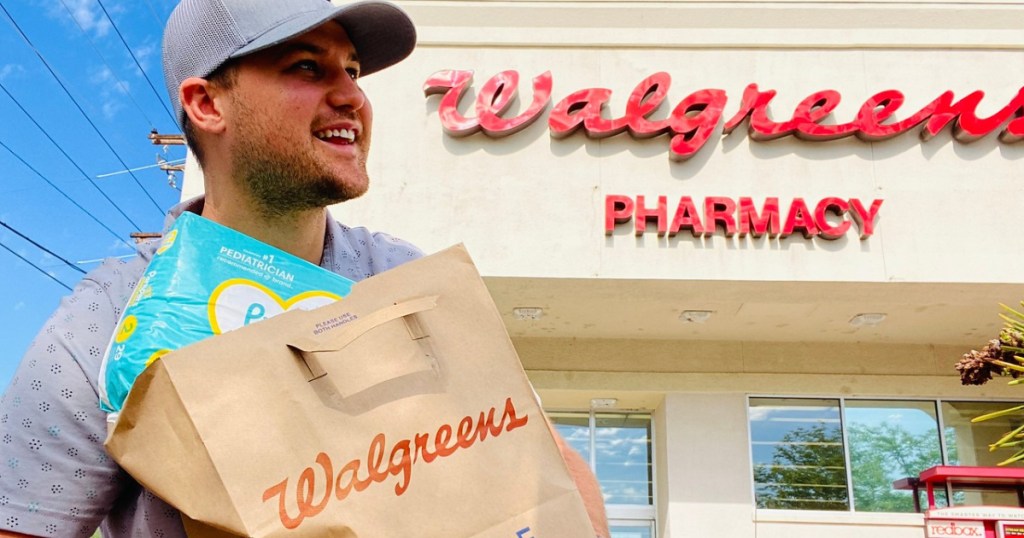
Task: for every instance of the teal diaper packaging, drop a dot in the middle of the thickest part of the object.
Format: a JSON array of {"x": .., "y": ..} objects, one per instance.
[{"x": 204, "y": 280}]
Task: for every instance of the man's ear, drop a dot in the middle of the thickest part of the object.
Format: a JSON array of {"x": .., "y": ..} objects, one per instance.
[{"x": 199, "y": 101}]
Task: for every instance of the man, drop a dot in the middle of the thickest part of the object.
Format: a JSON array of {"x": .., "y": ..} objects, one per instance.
[{"x": 267, "y": 93}]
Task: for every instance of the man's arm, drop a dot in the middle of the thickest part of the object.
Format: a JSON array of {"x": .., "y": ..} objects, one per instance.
[
  {"x": 57, "y": 478},
  {"x": 586, "y": 482}
]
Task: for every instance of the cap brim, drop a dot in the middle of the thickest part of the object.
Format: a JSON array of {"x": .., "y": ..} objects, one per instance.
[{"x": 382, "y": 33}]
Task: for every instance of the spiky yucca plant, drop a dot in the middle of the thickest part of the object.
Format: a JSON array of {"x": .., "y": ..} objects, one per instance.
[{"x": 1002, "y": 356}]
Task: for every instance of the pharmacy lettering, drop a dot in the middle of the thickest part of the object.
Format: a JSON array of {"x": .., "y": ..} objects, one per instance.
[
  {"x": 829, "y": 218},
  {"x": 697, "y": 115}
]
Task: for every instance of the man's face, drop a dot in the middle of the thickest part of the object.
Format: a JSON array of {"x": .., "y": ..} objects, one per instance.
[{"x": 298, "y": 123}]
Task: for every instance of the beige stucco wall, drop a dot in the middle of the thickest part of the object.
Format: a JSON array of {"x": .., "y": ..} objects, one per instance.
[{"x": 708, "y": 492}]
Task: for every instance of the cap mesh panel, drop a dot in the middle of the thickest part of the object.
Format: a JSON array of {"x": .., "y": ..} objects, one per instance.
[{"x": 201, "y": 35}]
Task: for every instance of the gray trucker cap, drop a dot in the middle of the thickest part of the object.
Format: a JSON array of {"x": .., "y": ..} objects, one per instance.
[{"x": 203, "y": 34}]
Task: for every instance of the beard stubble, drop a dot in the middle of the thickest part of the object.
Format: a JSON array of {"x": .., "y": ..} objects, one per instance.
[{"x": 286, "y": 180}]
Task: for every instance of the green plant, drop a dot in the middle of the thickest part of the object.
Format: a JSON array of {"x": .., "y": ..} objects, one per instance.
[{"x": 1001, "y": 356}]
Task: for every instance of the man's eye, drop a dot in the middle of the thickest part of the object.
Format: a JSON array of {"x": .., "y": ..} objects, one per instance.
[
  {"x": 307, "y": 65},
  {"x": 353, "y": 72}
]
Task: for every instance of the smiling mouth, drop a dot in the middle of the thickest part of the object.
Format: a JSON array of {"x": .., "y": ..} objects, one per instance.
[{"x": 337, "y": 136}]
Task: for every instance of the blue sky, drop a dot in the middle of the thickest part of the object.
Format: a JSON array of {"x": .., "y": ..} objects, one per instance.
[{"x": 81, "y": 43}]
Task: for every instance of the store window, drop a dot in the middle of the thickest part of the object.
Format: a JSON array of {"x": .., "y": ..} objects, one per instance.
[
  {"x": 844, "y": 454},
  {"x": 889, "y": 440},
  {"x": 967, "y": 444},
  {"x": 797, "y": 446},
  {"x": 618, "y": 448}
]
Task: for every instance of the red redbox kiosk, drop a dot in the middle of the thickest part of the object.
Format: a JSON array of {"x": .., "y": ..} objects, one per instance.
[{"x": 981, "y": 521}]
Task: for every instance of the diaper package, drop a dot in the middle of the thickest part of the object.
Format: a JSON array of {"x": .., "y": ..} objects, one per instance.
[{"x": 204, "y": 280}]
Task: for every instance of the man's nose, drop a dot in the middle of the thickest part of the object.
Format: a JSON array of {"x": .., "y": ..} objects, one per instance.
[{"x": 345, "y": 93}]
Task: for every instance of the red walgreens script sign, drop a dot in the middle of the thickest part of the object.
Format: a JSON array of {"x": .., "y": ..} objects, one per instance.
[{"x": 696, "y": 116}]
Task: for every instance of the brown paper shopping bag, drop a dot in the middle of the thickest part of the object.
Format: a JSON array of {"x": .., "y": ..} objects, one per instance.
[{"x": 401, "y": 411}]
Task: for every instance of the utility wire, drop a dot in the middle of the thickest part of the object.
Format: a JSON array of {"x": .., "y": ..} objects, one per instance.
[
  {"x": 70, "y": 199},
  {"x": 68, "y": 157},
  {"x": 75, "y": 101},
  {"x": 137, "y": 64},
  {"x": 120, "y": 83},
  {"x": 156, "y": 17},
  {"x": 8, "y": 249},
  {"x": 86, "y": 211},
  {"x": 41, "y": 247},
  {"x": 137, "y": 168},
  {"x": 97, "y": 260}
]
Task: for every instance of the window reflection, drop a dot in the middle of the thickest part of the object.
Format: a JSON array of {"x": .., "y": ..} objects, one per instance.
[
  {"x": 797, "y": 447},
  {"x": 889, "y": 440},
  {"x": 985, "y": 497},
  {"x": 575, "y": 429},
  {"x": 623, "y": 449},
  {"x": 618, "y": 447},
  {"x": 799, "y": 460},
  {"x": 621, "y": 457},
  {"x": 966, "y": 442},
  {"x": 621, "y": 531}
]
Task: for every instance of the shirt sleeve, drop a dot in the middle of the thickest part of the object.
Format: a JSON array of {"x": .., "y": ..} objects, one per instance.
[{"x": 55, "y": 476}]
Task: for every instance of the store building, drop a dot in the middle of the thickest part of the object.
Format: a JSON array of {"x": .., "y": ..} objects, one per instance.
[{"x": 730, "y": 373}]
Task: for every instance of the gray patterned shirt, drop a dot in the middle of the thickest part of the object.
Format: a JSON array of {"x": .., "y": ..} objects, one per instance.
[{"x": 55, "y": 476}]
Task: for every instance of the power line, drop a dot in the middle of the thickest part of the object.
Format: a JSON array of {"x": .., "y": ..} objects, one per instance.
[
  {"x": 77, "y": 105},
  {"x": 70, "y": 199},
  {"x": 66, "y": 156},
  {"x": 41, "y": 247},
  {"x": 123, "y": 86},
  {"x": 48, "y": 275},
  {"x": 137, "y": 168},
  {"x": 86, "y": 211},
  {"x": 97, "y": 260},
  {"x": 137, "y": 64},
  {"x": 156, "y": 17}
]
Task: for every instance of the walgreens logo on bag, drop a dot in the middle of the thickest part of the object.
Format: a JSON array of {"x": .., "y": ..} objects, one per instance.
[
  {"x": 359, "y": 474},
  {"x": 942, "y": 528}
]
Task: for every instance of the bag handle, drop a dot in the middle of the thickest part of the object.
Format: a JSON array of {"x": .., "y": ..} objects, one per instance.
[{"x": 308, "y": 347}]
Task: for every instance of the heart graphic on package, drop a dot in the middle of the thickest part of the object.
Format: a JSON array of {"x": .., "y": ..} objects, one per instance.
[{"x": 239, "y": 302}]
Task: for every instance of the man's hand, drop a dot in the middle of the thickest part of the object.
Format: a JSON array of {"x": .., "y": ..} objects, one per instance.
[{"x": 586, "y": 482}]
